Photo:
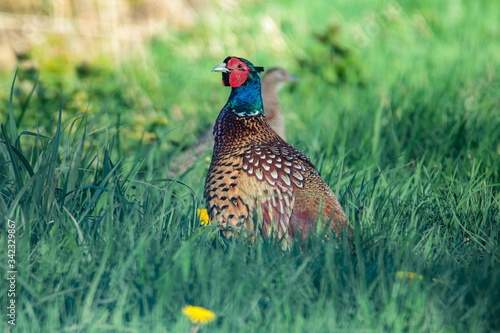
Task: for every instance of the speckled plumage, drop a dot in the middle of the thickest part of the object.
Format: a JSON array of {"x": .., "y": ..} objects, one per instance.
[{"x": 257, "y": 183}]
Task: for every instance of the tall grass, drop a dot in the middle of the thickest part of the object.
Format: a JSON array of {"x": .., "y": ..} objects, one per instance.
[{"x": 410, "y": 143}]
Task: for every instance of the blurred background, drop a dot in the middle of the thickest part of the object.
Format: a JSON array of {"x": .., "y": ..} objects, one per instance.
[
  {"x": 85, "y": 30},
  {"x": 149, "y": 61}
]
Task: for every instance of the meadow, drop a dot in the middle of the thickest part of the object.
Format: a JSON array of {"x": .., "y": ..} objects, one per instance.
[{"x": 398, "y": 106}]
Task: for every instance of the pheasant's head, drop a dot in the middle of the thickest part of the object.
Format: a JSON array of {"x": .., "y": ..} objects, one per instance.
[
  {"x": 236, "y": 71},
  {"x": 243, "y": 77},
  {"x": 276, "y": 78}
]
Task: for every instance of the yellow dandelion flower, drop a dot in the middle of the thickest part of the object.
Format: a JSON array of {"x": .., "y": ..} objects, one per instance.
[
  {"x": 198, "y": 315},
  {"x": 408, "y": 275},
  {"x": 203, "y": 216}
]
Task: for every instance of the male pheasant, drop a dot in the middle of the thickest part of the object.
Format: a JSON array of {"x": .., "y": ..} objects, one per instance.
[
  {"x": 257, "y": 183},
  {"x": 272, "y": 82}
]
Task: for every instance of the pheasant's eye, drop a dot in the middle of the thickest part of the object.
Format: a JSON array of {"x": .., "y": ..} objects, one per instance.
[{"x": 240, "y": 66}]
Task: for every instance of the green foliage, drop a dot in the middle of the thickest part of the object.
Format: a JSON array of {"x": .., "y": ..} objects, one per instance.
[
  {"x": 106, "y": 241},
  {"x": 330, "y": 60}
]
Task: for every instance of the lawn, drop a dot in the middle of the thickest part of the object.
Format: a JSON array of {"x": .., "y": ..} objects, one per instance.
[{"x": 398, "y": 106}]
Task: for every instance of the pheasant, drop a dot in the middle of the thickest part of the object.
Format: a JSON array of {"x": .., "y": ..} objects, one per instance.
[
  {"x": 257, "y": 183},
  {"x": 272, "y": 82}
]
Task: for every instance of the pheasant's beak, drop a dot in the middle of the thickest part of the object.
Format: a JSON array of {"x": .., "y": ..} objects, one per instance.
[{"x": 221, "y": 68}]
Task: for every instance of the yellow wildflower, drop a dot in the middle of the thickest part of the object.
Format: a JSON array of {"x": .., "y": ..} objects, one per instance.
[
  {"x": 203, "y": 216},
  {"x": 408, "y": 275},
  {"x": 198, "y": 315}
]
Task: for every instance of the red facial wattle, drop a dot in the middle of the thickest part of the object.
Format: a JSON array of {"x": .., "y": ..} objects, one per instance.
[{"x": 239, "y": 72}]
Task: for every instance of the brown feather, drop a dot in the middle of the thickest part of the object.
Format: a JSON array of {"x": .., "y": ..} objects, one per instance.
[{"x": 266, "y": 179}]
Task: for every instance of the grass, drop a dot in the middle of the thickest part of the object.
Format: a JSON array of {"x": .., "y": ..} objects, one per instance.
[{"x": 405, "y": 129}]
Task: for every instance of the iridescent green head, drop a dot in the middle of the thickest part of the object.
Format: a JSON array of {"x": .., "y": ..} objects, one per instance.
[{"x": 243, "y": 77}]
